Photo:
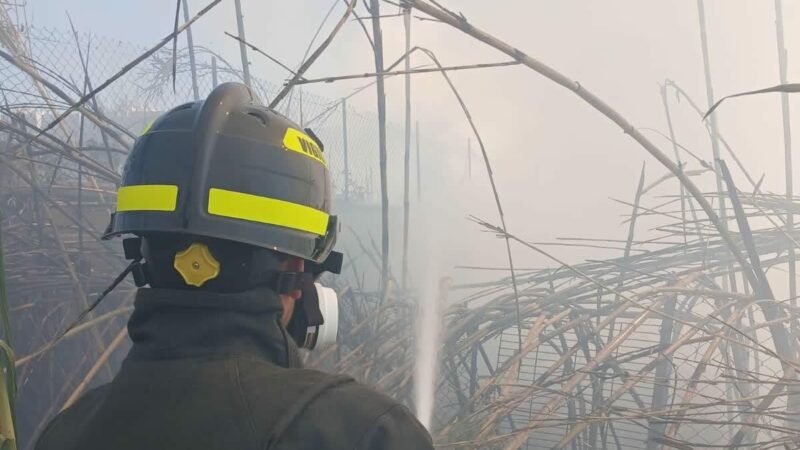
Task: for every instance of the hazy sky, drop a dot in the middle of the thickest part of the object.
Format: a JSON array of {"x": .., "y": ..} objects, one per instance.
[{"x": 557, "y": 161}]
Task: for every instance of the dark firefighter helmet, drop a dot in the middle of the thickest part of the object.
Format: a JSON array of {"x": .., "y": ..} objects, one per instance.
[{"x": 229, "y": 168}]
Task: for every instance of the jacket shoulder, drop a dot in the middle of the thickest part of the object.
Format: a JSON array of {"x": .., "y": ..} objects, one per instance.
[
  {"x": 308, "y": 409},
  {"x": 60, "y": 433},
  {"x": 354, "y": 416}
]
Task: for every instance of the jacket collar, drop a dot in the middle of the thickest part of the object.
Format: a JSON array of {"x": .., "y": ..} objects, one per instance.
[{"x": 171, "y": 324}]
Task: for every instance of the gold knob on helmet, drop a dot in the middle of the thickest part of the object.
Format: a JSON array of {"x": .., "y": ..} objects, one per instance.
[{"x": 196, "y": 264}]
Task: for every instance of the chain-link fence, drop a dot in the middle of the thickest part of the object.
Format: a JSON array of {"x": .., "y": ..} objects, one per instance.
[{"x": 77, "y": 61}]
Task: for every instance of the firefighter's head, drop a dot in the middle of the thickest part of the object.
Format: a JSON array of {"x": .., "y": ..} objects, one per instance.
[{"x": 226, "y": 195}]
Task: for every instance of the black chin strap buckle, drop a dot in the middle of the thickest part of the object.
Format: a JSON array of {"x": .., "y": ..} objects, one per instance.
[
  {"x": 133, "y": 252},
  {"x": 132, "y": 247},
  {"x": 291, "y": 281},
  {"x": 139, "y": 274}
]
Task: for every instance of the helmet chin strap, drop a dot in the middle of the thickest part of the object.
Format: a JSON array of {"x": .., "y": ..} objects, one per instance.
[{"x": 315, "y": 322}]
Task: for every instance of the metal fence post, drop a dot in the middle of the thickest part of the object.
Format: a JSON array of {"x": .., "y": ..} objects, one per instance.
[
  {"x": 469, "y": 159},
  {"x": 419, "y": 172},
  {"x": 242, "y": 46},
  {"x": 377, "y": 37},
  {"x": 190, "y": 41},
  {"x": 300, "y": 101},
  {"x": 346, "y": 151},
  {"x": 407, "y": 153},
  {"x": 214, "y": 81}
]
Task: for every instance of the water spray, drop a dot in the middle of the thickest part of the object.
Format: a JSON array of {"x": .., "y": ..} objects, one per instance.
[{"x": 432, "y": 304}]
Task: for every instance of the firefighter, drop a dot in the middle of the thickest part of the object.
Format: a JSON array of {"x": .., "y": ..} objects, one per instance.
[{"x": 229, "y": 207}]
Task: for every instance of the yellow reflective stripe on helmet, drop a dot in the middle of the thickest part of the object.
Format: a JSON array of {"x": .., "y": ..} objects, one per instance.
[
  {"x": 238, "y": 205},
  {"x": 147, "y": 197},
  {"x": 300, "y": 142}
]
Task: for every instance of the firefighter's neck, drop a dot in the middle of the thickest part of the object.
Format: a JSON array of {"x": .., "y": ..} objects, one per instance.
[{"x": 178, "y": 323}]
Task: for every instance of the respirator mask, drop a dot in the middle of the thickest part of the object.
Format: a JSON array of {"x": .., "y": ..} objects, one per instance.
[{"x": 315, "y": 322}]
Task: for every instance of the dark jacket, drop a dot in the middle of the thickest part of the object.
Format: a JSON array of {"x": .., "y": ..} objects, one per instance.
[{"x": 212, "y": 372}]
